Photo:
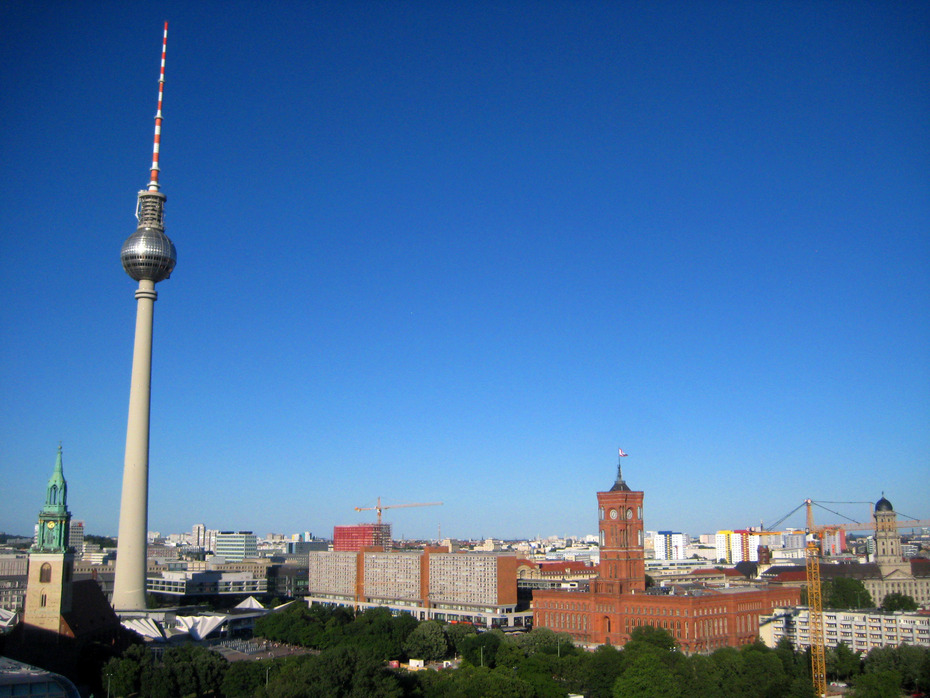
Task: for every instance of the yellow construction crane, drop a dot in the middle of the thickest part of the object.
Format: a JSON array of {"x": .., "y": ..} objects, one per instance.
[
  {"x": 814, "y": 591},
  {"x": 378, "y": 508},
  {"x": 815, "y": 607}
]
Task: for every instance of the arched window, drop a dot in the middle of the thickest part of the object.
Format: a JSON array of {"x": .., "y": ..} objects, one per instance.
[
  {"x": 45, "y": 574},
  {"x": 53, "y": 494}
]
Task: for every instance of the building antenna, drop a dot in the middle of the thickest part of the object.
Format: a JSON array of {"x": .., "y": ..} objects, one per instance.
[{"x": 153, "y": 183}]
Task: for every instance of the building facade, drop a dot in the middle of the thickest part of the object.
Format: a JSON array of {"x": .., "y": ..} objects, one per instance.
[
  {"x": 859, "y": 630},
  {"x": 236, "y": 546},
  {"x": 737, "y": 546},
  {"x": 479, "y": 588},
  {"x": 670, "y": 545},
  {"x": 360, "y": 536},
  {"x": 701, "y": 618}
]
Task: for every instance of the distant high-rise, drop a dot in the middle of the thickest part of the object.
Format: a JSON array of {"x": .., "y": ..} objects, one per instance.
[
  {"x": 236, "y": 546},
  {"x": 366, "y": 535},
  {"x": 77, "y": 536},
  {"x": 148, "y": 256},
  {"x": 670, "y": 545}
]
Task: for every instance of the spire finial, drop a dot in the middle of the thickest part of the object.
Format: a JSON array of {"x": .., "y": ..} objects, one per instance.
[{"x": 153, "y": 183}]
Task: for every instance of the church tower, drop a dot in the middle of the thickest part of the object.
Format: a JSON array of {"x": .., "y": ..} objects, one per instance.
[
  {"x": 887, "y": 539},
  {"x": 620, "y": 536},
  {"x": 51, "y": 559}
]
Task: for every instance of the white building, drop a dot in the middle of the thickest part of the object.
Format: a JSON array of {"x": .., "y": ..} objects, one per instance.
[
  {"x": 737, "y": 546},
  {"x": 671, "y": 545},
  {"x": 236, "y": 546},
  {"x": 858, "y": 630},
  {"x": 186, "y": 583}
]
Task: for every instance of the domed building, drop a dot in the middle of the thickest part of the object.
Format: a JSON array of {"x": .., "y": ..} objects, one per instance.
[{"x": 891, "y": 572}]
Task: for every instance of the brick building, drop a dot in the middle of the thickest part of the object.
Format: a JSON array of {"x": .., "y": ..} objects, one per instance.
[{"x": 701, "y": 618}]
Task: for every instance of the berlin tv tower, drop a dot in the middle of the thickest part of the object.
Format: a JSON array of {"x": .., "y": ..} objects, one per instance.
[{"x": 148, "y": 256}]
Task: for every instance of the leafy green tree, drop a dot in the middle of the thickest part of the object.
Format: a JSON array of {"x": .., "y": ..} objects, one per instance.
[
  {"x": 456, "y": 632},
  {"x": 243, "y": 679},
  {"x": 428, "y": 641},
  {"x": 547, "y": 641},
  {"x": 896, "y": 601},
  {"x": 879, "y": 684},
  {"x": 543, "y": 672},
  {"x": 842, "y": 662},
  {"x": 846, "y": 592},
  {"x": 657, "y": 637},
  {"x": 123, "y": 675},
  {"x": 604, "y": 667},
  {"x": 647, "y": 677},
  {"x": 509, "y": 654},
  {"x": 793, "y": 661},
  {"x": 909, "y": 661},
  {"x": 481, "y": 649}
]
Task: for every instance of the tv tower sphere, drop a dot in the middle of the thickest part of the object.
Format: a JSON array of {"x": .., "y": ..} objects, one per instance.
[{"x": 148, "y": 254}]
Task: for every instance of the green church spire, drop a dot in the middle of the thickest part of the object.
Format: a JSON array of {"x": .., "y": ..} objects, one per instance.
[{"x": 54, "y": 518}]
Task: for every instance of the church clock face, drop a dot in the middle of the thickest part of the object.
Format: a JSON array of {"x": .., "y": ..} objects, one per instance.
[{"x": 51, "y": 525}]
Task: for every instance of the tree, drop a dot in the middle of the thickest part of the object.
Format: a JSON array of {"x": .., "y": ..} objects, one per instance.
[
  {"x": 481, "y": 649},
  {"x": 604, "y": 667},
  {"x": 896, "y": 601},
  {"x": 427, "y": 641},
  {"x": 242, "y": 679},
  {"x": 124, "y": 675},
  {"x": 842, "y": 662},
  {"x": 456, "y": 632},
  {"x": 647, "y": 677},
  {"x": 879, "y": 684},
  {"x": 657, "y": 637},
  {"x": 846, "y": 592}
]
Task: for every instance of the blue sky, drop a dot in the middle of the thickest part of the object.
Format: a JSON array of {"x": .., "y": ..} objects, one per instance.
[{"x": 461, "y": 252}]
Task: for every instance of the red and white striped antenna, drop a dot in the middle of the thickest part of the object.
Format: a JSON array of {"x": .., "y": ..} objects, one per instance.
[{"x": 153, "y": 183}]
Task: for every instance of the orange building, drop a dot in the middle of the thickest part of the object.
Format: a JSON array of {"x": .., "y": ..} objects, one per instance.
[{"x": 700, "y": 618}]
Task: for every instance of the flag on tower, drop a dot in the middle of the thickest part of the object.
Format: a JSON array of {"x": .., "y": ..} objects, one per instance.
[{"x": 622, "y": 454}]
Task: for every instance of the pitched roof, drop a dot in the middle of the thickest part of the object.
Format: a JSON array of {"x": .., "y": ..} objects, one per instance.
[{"x": 90, "y": 611}]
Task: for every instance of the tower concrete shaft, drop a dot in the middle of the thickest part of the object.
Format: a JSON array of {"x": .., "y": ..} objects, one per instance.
[
  {"x": 129, "y": 585},
  {"x": 148, "y": 256}
]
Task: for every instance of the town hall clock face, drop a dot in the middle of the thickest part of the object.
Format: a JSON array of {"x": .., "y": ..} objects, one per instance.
[
  {"x": 613, "y": 513},
  {"x": 629, "y": 513}
]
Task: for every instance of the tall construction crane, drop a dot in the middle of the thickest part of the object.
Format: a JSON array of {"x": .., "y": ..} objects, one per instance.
[
  {"x": 815, "y": 607},
  {"x": 814, "y": 591},
  {"x": 379, "y": 508}
]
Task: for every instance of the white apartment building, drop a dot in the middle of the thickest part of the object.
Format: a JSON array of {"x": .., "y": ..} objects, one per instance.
[
  {"x": 858, "y": 630},
  {"x": 736, "y": 546},
  {"x": 670, "y": 545},
  {"x": 236, "y": 546}
]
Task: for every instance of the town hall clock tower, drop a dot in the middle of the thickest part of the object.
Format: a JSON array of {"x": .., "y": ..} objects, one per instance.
[{"x": 620, "y": 532}]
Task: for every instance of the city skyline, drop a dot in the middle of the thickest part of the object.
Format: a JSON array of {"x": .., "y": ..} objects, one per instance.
[{"x": 462, "y": 253}]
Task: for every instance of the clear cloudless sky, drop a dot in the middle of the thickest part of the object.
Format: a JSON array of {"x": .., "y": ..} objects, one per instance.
[{"x": 462, "y": 252}]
